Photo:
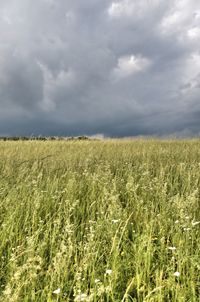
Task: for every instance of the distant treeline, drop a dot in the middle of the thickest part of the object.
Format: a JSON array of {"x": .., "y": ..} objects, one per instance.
[{"x": 42, "y": 138}]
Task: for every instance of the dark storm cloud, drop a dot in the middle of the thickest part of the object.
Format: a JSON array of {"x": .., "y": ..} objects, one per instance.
[{"x": 120, "y": 67}]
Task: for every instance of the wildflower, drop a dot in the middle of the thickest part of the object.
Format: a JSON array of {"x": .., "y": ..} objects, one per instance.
[
  {"x": 108, "y": 272},
  {"x": 97, "y": 281},
  {"x": 7, "y": 291},
  {"x": 177, "y": 274},
  {"x": 177, "y": 221},
  {"x": 57, "y": 291},
  {"x": 115, "y": 220},
  {"x": 195, "y": 223},
  {"x": 172, "y": 248}
]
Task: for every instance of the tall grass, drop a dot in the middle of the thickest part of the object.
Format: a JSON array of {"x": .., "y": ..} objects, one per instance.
[{"x": 100, "y": 221}]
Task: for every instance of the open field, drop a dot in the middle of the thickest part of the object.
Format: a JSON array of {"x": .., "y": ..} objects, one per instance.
[{"x": 100, "y": 221}]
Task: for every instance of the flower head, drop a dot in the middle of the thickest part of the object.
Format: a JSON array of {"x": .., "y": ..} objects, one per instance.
[
  {"x": 115, "y": 221},
  {"x": 108, "y": 272},
  {"x": 177, "y": 274},
  {"x": 172, "y": 248},
  {"x": 97, "y": 281},
  {"x": 57, "y": 291}
]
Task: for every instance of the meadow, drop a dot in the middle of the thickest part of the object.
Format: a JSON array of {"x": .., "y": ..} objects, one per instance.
[{"x": 110, "y": 220}]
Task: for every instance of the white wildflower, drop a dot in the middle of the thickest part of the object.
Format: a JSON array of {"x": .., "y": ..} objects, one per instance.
[
  {"x": 115, "y": 220},
  {"x": 177, "y": 221},
  {"x": 7, "y": 291},
  {"x": 172, "y": 248},
  {"x": 177, "y": 274},
  {"x": 97, "y": 281},
  {"x": 57, "y": 291},
  {"x": 108, "y": 272}
]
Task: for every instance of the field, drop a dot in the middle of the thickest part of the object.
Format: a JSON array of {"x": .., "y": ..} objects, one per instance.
[{"x": 113, "y": 220}]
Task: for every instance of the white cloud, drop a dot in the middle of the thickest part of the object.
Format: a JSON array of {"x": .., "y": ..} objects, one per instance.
[
  {"x": 129, "y": 65},
  {"x": 197, "y": 15},
  {"x": 182, "y": 19},
  {"x": 194, "y": 33},
  {"x": 170, "y": 21},
  {"x": 131, "y": 8},
  {"x": 52, "y": 84},
  {"x": 118, "y": 9}
]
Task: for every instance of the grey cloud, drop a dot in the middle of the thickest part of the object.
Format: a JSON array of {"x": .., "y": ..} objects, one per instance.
[
  {"x": 22, "y": 84},
  {"x": 71, "y": 67}
]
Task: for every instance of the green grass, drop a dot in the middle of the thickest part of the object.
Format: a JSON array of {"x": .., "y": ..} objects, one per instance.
[{"x": 95, "y": 220}]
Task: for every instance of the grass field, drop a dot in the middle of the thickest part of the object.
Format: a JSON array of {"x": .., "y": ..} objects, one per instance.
[{"x": 100, "y": 221}]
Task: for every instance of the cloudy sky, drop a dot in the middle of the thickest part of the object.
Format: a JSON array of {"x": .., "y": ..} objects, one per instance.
[{"x": 118, "y": 68}]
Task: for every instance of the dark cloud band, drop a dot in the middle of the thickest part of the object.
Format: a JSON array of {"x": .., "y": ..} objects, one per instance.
[{"x": 120, "y": 67}]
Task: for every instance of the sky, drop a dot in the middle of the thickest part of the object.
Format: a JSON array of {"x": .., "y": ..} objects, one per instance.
[{"x": 100, "y": 67}]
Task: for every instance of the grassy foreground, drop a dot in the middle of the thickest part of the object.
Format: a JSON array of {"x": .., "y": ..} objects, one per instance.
[{"x": 100, "y": 221}]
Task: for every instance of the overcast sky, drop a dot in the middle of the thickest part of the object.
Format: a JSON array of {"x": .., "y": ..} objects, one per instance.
[{"x": 118, "y": 68}]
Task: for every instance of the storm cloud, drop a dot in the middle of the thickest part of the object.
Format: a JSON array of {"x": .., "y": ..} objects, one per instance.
[{"x": 120, "y": 68}]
